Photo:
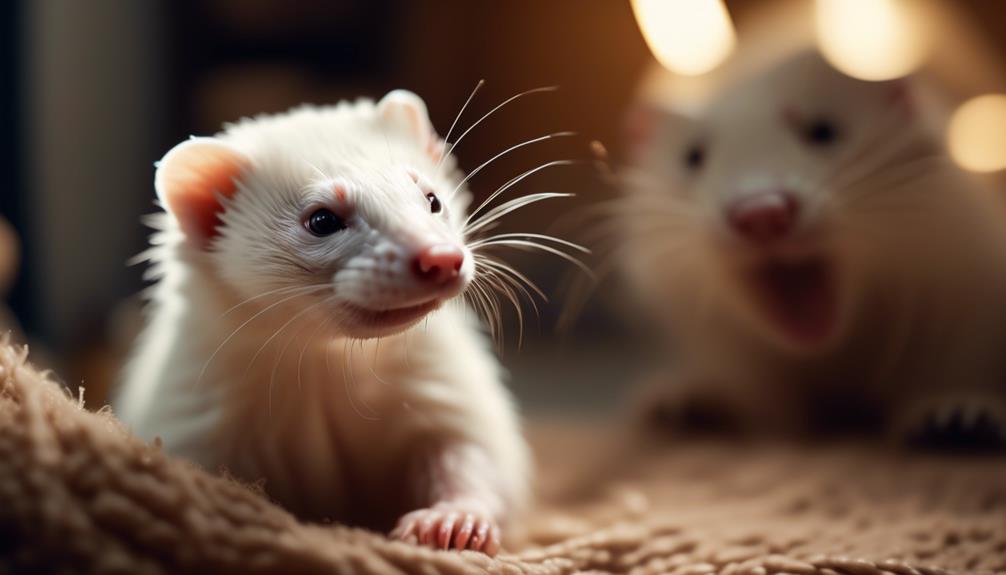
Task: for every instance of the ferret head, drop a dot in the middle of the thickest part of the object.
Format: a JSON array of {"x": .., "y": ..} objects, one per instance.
[
  {"x": 348, "y": 212},
  {"x": 748, "y": 198}
]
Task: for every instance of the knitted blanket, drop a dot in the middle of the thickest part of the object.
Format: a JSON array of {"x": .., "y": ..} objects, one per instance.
[{"x": 78, "y": 494}]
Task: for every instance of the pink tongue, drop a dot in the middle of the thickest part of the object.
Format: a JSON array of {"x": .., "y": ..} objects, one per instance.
[{"x": 800, "y": 297}]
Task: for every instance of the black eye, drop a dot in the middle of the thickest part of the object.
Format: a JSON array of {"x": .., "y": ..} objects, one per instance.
[
  {"x": 435, "y": 206},
  {"x": 695, "y": 157},
  {"x": 324, "y": 222},
  {"x": 821, "y": 132}
]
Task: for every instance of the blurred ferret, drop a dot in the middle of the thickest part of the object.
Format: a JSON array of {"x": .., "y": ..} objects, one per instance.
[
  {"x": 817, "y": 261},
  {"x": 305, "y": 329}
]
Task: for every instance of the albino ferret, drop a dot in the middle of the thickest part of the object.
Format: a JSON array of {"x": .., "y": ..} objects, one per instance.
[
  {"x": 818, "y": 262},
  {"x": 302, "y": 331}
]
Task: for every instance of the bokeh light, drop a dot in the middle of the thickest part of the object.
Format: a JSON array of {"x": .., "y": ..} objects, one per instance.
[
  {"x": 688, "y": 37},
  {"x": 871, "y": 39},
  {"x": 977, "y": 134}
]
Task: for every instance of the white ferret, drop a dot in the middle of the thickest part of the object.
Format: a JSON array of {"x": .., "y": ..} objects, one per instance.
[
  {"x": 818, "y": 261},
  {"x": 298, "y": 255}
]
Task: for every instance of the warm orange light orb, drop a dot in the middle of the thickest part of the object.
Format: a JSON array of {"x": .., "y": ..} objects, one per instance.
[
  {"x": 976, "y": 136},
  {"x": 871, "y": 39},
  {"x": 688, "y": 37}
]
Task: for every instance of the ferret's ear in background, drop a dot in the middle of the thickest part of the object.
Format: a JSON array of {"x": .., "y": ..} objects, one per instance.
[
  {"x": 405, "y": 111},
  {"x": 190, "y": 180},
  {"x": 640, "y": 125},
  {"x": 645, "y": 125},
  {"x": 901, "y": 96}
]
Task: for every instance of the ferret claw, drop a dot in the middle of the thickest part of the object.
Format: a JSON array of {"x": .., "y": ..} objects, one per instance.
[
  {"x": 448, "y": 526},
  {"x": 962, "y": 425}
]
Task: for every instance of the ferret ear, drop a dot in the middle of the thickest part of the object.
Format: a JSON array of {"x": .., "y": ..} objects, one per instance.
[
  {"x": 647, "y": 122},
  {"x": 405, "y": 110},
  {"x": 902, "y": 95},
  {"x": 191, "y": 179},
  {"x": 641, "y": 125}
]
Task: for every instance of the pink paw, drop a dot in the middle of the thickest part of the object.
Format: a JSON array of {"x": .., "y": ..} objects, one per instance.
[{"x": 450, "y": 526}]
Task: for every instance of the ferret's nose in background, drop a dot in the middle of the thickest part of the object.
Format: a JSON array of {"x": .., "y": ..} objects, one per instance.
[
  {"x": 439, "y": 264},
  {"x": 765, "y": 217}
]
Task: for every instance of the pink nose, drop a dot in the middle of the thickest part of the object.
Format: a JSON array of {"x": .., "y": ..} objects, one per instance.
[
  {"x": 764, "y": 217},
  {"x": 439, "y": 263}
]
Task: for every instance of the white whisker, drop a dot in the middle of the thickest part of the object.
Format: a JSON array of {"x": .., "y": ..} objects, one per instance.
[
  {"x": 286, "y": 289},
  {"x": 464, "y": 106},
  {"x": 506, "y": 268},
  {"x": 514, "y": 181},
  {"x": 549, "y": 249},
  {"x": 530, "y": 236},
  {"x": 509, "y": 207},
  {"x": 202, "y": 373},
  {"x": 501, "y": 287},
  {"x": 286, "y": 324},
  {"x": 450, "y": 150},
  {"x": 507, "y": 151}
]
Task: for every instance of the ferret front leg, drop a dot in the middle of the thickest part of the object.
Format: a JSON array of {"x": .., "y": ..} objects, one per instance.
[{"x": 464, "y": 505}]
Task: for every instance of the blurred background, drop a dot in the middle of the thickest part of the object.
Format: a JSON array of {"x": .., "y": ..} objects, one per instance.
[{"x": 95, "y": 91}]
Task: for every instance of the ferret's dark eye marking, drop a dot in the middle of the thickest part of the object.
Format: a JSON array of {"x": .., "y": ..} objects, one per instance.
[
  {"x": 821, "y": 132},
  {"x": 695, "y": 157},
  {"x": 324, "y": 222},
  {"x": 435, "y": 206}
]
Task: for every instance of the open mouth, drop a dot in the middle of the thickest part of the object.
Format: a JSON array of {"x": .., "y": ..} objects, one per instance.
[
  {"x": 393, "y": 317},
  {"x": 799, "y": 296}
]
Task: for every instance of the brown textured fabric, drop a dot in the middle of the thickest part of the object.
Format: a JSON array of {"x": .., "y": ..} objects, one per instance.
[{"x": 78, "y": 494}]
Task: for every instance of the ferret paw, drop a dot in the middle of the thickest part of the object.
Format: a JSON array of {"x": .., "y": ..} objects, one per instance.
[
  {"x": 450, "y": 526},
  {"x": 967, "y": 423}
]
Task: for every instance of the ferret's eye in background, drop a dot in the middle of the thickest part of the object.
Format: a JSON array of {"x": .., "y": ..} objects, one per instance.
[
  {"x": 695, "y": 157},
  {"x": 821, "y": 132},
  {"x": 435, "y": 206},
  {"x": 324, "y": 222}
]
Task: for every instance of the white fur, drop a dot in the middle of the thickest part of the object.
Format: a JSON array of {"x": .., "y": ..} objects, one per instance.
[{"x": 329, "y": 413}]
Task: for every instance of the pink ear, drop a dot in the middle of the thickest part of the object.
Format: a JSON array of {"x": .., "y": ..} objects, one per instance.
[
  {"x": 639, "y": 128},
  {"x": 189, "y": 179},
  {"x": 901, "y": 96},
  {"x": 405, "y": 110}
]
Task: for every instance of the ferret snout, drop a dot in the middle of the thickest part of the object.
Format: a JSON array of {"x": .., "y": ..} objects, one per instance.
[
  {"x": 764, "y": 217},
  {"x": 438, "y": 264}
]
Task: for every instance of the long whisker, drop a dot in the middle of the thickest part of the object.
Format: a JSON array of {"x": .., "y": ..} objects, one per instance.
[
  {"x": 242, "y": 326},
  {"x": 352, "y": 381},
  {"x": 511, "y": 206},
  {"x": 878, "y": 147},
  {"x": 286, "y": 324},
  {"x": 464, "y": 106},
  {"x": 490, "y": 312},
  {"x": 277, "y": 362},
  {"x": 499, "y": 286},
  {"x": 528, "y": 236},
  {"x": 506, "y": 268},
  {"x": 544, "y": 248},
  {"x": 286, "y": 289},
  {"x": 507, "y": 151},
  {"x": 282, "y": 352},
  {"x": 513, "y": 277},
  {"x": 518, "y": 286},
  {"x": 514, "y": 181},
  {"x": 492, "y": 303},
  {"x": 915, "y": 168},
  {"x": 345, "y": 378},
  {"x": 450, "y": 150},
  {"x": 303, "y": 349}
]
